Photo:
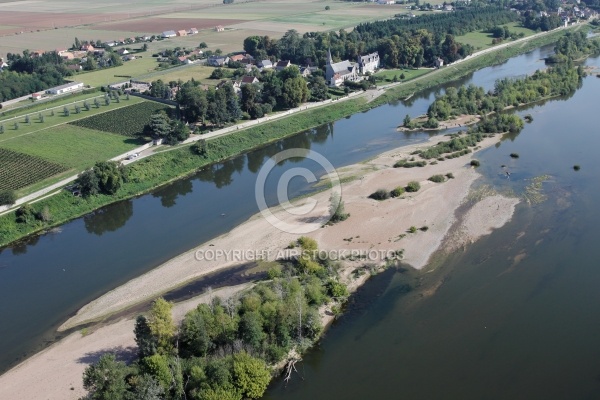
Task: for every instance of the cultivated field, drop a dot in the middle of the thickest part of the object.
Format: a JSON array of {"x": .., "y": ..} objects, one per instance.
[
  {"x": 132, "y": 68},
  {"x": 53, "y": 24},
  {"x": 61, "y": 148}
]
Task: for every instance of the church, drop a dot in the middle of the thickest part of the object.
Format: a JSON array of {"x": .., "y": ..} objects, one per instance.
[{"x": 337, "y": 73}]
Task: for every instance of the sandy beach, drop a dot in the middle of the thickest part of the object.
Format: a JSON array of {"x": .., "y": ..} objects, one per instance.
[{"x": 374, "y": 228}]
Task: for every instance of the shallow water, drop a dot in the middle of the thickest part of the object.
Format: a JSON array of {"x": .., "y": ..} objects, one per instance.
[{"x": 515, "y": 316}]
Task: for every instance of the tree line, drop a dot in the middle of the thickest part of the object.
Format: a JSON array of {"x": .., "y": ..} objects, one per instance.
[
  {"x": 223, "y": 350},
  {"x": 413, "y": 42},
  {"x": 29, "y": 73}
]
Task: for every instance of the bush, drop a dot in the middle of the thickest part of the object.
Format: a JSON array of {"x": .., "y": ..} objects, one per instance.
[
  {"x": 399, "y": 191},
  {"x": 412, "y": 229},
  {"x": 450, "y": 175},
  {"x": 409, "y": 164},
  {"x": 475, "y": 163},
  {"x": 437, "y": 178},
  {"x": 380, "y": 194},
  {"x": 576, "y": 167},
  {"x": 413, "y": 186},
  {"x": 7, "y": 197},
  {"x": 514, "y": 155}
]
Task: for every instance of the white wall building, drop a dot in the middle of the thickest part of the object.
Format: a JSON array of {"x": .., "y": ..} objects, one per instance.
[{"x": 66, "y": 88}]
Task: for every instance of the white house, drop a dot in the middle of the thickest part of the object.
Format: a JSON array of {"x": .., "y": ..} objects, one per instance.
[
  {"x": 169, "y": 34},
  {"x": 368, "y": 63},
  {"x": 66, "y": 88}
]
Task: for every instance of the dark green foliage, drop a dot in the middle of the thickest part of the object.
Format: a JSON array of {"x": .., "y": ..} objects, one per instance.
[
  {"x": 18, "y": 170},
  {"x": 397, "y": 192},
  {"x": 450, "y": 175},
  {"x": 456, "y": 144},
  {"x": 105, "y": 380},
  {"x": 576, "y": 167},
  {"x": 127, "y": 121},
  {"x": 88, "y": 183},
  {"x": 413, "y": 186},
  {"x": 514, "y": 155},
  {"x": 110, "y": 176},
  {"x": 409, "y": 164},
  {"x": 7, "y": 197},
  {"x": 147, "y": 344},
  {"x": 475, "y": 163},
  {"x": 437, "y": 178},
  {"x": 528, "y": 118},
  {"x": 500, "y": 123},
  {"x": 380, "y": 194}
]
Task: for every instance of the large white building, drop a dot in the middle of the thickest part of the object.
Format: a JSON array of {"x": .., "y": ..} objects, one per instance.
[
  {"x": 337, "y": 73},
  {"x": 66, "y": 88},
  {"x": 368, "y": 63}
]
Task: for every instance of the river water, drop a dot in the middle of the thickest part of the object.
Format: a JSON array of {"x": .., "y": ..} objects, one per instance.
[
  {"x": 46, "y": 279},
  {"x": 515, "y": 316}
]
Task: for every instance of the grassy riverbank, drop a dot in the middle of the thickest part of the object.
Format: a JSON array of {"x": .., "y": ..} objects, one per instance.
[{"x": 165, "y": 167}]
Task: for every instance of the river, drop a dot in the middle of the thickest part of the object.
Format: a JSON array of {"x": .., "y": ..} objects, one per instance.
[
  {"x": 515, "y": 316},
  {"x": 46, "y": 279}
]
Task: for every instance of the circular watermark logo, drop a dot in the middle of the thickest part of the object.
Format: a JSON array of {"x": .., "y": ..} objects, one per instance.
[{"x": 307, "y": 214}]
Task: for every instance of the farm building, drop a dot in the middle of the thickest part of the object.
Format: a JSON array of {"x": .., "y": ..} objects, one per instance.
[
  {"x": 219, "y": 28},
  {"x": 36, "y": 96},
  {"x": 66, "y": 88},
  {"x": 168, "y": 34},
  {"x": 368, "y": 63},
  {"x": 193, "y": 31},
  {"x": 182, "y": 33}
]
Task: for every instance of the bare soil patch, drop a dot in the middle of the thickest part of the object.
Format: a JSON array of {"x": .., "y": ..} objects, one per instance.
[{"x": 155, "y": 25}]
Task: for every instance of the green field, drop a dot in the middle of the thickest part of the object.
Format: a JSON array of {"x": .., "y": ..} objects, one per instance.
[
  {"x": 72, "y": 146},
  {"x": 59, "y": 118},
  {"x": 126, "y": 121},
  {"x": 483, "y": 40},
  {"x": 18, "y": 170},
  {"x": 387, "y": 75},
  {"x": 200, "y": 73},
  {"x": 107, "y": 76}
]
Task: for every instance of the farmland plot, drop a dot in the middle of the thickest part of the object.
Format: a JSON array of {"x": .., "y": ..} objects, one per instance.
[
  {"x": 18, "y": 170},
  {"x": 126, "y": 121}
]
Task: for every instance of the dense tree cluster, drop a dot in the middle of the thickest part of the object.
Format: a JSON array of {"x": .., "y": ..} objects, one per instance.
[
  {"x": 29, "y": 73},
  {"x": 544, "y": 23},
  {"x": 171, "y": 131},
  {"x": 222, "y": 349},
  {"x": 106, "y": 178},
  {"x": 572, "y": 46},
  {"x": 275, "y": 90},
  {"x": 557, "y": 81}
]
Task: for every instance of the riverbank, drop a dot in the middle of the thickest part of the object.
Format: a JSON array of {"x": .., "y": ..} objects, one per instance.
[
  {"x": 374, "y": 227},
  {"x": 164, "y": 168},
  {"x": 377, "y": 226}
]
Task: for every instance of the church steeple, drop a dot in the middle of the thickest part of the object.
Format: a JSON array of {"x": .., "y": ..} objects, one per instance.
[{"x": 329, "y": 58}]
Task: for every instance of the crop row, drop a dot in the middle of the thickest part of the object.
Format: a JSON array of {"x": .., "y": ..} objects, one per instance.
[
  {"x": 126, "y": 121},
  {"x": 18, "y": 170}
]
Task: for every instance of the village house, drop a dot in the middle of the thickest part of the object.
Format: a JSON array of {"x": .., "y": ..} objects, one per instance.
[
  {"x": 282, "y": 64},
  {"x": 217, "y": 61},
  {"x": 122, "y": 52},
  {"x": 368, "y": 63},
  {"x": 265, "y": 64},
  {"x": 74, "y": 67},
  {"x": 237, "y": 58},
  {"x": 219, "y": 28},
  {"x": 439, "y": 63},
  {"x": 248, "y": 80},
  {"x": 337, "y": 73},
  {"x": 36, "y": 96},
  {"x": 168, "y": 34},
  {"x": 3, "y": 64},
  {"x": 88, "y": 48},
  {"x": 193, "y": 31},
  {"x": 307, "y": 71},
  {"x": 182, "y": 33}
]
